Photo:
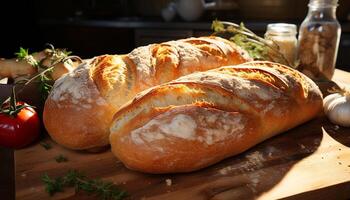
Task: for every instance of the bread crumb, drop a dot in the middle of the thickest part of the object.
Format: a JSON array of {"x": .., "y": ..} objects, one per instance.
[{"x": 168, "y": 182}]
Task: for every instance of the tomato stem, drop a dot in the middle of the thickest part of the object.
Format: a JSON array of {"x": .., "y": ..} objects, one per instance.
[{"x": 10, "y": 107}]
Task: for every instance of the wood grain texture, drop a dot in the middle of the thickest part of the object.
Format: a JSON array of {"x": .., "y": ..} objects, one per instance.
[
  {"x": 311, "y": 161},
  {"x": 310, "y": 157}
]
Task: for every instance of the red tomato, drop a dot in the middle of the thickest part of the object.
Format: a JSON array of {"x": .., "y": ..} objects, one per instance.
[{"x": 20, "y": 130}]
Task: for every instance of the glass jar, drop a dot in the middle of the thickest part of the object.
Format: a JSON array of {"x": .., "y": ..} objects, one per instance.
[
  {"x": 284, "y": 36},
  {"x": 319, "y": 37}
]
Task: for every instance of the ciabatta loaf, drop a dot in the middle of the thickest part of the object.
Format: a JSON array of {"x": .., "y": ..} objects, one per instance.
[
  {"x": 79, "y": 110},
  {"x": 204, "y": 117}
]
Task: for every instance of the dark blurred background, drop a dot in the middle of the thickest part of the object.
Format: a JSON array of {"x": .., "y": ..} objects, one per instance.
[{"x": 94, "y": 27}]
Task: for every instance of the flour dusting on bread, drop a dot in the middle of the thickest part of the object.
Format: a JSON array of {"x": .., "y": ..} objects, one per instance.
[
  {"x": 181, "y": 126},
  {"x": 142, "y": 58},
  {"x": 202, "y": 125},
  {"x": 78, "y": 88}
]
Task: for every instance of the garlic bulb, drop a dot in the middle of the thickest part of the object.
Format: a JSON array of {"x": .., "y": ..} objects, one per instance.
[{"x": 337, "y": 108}]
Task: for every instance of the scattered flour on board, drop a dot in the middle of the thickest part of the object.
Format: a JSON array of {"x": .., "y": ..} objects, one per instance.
[
  {"x": 168, "y": 182},
  {"x": 254, "y": 161}
]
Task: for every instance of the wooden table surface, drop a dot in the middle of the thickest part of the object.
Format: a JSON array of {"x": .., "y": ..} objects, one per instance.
[
  {"x": 311, "y": 161},
  {"x": 312, "y": 157}
]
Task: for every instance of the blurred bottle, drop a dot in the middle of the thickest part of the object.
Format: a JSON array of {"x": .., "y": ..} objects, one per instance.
[{"x": 319, "y": 37}]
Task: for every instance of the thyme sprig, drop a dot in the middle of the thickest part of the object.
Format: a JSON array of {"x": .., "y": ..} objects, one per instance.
[
  {"x": 54, "y": 54},
  {"x": 257, "y": 47},
  {"x": 61, "y": 158},
  {"x": 44, "y": 78},
  {"x": 45, "y": 85},
  {"x": 45, "y": 145},
  {"x": 44, "y": 67},
  {"x": 73, "y": 178},
  {"x": 23, "y": 54}
]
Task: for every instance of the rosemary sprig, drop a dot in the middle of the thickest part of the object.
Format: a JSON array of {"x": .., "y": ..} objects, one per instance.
[
  {"x": 61, "y": 158},
  {"x": 257, "y": 47},
  {"x": 74, "y": 178}
]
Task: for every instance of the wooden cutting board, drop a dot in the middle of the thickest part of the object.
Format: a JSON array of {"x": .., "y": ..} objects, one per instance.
[
  {"x": 311, "y": 161},
  {"x": 310, "y": 157}
]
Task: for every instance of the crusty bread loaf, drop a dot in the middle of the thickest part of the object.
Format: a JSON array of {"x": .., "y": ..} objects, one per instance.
[
  {"x": 78, "y": 112},
  {"x": 13, "y": 68},
  {"x": 204, "y": 117}
]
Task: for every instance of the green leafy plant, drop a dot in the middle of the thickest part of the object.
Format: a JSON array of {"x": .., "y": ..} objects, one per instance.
[
  {"x": 73, "y": 178},
  {"x": 22, "y": 53},
  {"x": 257, "y": 47}
]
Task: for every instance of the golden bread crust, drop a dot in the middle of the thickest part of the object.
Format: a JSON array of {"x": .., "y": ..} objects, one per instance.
[
  {"x": 79, "y": 110},
  {"x": 202, "y": 118},
  {"x": 75, "y": 114}
]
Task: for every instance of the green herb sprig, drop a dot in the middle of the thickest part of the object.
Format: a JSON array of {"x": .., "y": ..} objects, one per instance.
[
  {"x": 45, "y": 84},
  {"x": 45, "y": 145},
  {"x": 61, "y": 158},
  {"x": 54, "y": 56},
  {"x": 257, "y": 47},
  {"x": 23, "y": 54},
  {"x": 103, "y": 190}
]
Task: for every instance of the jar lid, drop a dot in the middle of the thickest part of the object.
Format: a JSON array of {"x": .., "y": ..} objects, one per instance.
[
  {"x": 281, "y": 29},
  {"x": 323, "y": 3}
]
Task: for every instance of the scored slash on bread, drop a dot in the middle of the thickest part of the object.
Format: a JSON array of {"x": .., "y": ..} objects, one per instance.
[
  {"x": 204, "y": 117},
  {"x": 80, "y": 107}
]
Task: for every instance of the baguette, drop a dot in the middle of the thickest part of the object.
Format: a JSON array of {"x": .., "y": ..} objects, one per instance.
[
  {"x": 13, "y": 68},
  {"x": 79, "y": 110},
  {"x": 202, "y": 118}
]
